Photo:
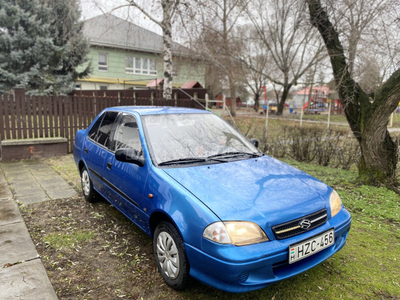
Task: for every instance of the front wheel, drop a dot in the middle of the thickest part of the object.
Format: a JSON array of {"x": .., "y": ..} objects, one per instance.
[
  {"x": 87, "y": 186},
  {"x": 170, "y": 255}
]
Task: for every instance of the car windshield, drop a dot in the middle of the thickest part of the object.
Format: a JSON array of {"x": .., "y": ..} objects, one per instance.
[{"x": 193, "y": 138}]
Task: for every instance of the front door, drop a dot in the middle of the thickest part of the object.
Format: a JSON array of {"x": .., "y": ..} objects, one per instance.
[{"x": 128, "y": 179}]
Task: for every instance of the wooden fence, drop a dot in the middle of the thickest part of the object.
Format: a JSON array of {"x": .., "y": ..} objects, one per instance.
[{"x": 27, "y": 117}]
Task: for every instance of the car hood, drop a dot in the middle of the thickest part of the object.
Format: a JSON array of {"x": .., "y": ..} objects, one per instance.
[{"x": 262, "y": 190}]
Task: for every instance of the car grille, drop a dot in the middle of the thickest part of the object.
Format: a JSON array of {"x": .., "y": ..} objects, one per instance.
[{"x": 300, "y": 225}]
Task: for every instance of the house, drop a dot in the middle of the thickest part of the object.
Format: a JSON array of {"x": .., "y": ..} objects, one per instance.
[
  {"x": 126, "y": 56},
  {"x": 228, "y": 100},
  {"x": 319, "y": 101},
  {"x": 318, "y": 94}
]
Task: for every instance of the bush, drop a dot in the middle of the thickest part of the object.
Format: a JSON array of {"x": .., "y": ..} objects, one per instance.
[{"x": 336, "y": 148}]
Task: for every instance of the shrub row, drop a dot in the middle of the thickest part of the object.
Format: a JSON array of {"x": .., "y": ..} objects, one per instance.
[{"x": 312, "y": 144}]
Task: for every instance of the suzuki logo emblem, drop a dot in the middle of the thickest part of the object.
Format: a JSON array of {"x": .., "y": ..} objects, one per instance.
[{"x": 305, "y": 224}]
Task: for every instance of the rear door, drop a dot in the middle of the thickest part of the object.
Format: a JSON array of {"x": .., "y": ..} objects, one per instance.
[{"x": 97, "y": 149}]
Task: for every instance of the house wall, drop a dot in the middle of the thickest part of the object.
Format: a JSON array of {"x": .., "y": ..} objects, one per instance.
[
  {"x": 299, "y": 100},
  {"x": 114, "y": 78}
]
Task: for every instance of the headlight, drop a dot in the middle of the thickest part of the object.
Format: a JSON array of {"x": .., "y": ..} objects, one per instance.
[
  {"x": 236, "y": 233},
  {"x": 335, "y": 202}
]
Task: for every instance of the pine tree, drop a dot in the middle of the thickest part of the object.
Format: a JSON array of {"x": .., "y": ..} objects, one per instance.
[{"x": 41, "y": 46}]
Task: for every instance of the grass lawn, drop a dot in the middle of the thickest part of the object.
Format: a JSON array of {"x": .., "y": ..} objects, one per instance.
[{"x": 94, "y": 252}]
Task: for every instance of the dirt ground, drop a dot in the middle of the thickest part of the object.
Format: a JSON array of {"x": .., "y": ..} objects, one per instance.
[{"x": 92, "y": 251}]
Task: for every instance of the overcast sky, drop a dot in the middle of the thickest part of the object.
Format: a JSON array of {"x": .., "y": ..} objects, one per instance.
[{"x": 92, "y": 8}]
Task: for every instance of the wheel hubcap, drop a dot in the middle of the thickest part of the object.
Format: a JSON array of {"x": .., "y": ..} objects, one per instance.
[
  {"x": 167, "y": 254},
  {"x": 85, "y": 183}
]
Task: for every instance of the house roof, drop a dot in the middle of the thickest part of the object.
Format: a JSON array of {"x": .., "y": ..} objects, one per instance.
[
  {"x": 191, "y": 85},
  {"x": 108, "y": 30},
  {"x": 316, "y": 89},
  {"x": 155, "y": 82}
]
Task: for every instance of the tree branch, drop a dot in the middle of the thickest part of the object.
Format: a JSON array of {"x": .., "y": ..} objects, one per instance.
[{"x": 134, "y": 4}]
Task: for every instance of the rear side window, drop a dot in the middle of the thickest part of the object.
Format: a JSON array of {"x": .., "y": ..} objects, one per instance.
[
  {"x": 103, "y": 134},
  {"x": 93, "y": 132}
]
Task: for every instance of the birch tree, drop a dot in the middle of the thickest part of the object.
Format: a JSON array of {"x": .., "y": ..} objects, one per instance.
[
  {"x": 168, "y": 9},
  {"x": 368, "y": 120}
]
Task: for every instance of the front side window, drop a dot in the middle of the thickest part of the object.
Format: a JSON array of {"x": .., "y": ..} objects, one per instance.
[
  {"x": 103, "y": 61},
  {"x": 103, "y": 134},
  {"x": 127, "y": 134}
]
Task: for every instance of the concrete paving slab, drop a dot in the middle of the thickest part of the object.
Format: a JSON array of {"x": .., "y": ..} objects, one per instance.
[
  {"x": 15, "y": 179},
  {"x": 17, "y": 173},
  {"x": 27, "y": 191},
  {"x": 26, "y": 281},
  {"x": 61, "y": 194},
  {"x": 5, "y": 191},
  {"x": 10, "y": 166},
  {"x": 35, "y": 166},
  {"x": 59, "y": 185},
  {"x": 9, "y": 212},
  {"x": 34, "y": 198},
  {"x": 43, "y": 175},
  {"x": 15, "y": 244},
  {"x": 21, "y": 184},
  {"x": 2, "y": 178}
]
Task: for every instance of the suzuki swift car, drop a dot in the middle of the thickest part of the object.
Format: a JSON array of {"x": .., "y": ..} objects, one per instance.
[{"x": 218, "y": 209}]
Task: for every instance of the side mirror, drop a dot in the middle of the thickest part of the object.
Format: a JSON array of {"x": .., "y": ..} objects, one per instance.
[
  {"x": 129, "y": 155},
  {"x": 255, "y": 142}
]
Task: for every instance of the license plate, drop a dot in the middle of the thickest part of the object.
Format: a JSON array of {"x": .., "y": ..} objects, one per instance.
[{"x": 311, "y": 246}]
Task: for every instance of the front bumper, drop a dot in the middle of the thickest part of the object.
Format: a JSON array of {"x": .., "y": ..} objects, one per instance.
[{"x": 246, "y": 268}]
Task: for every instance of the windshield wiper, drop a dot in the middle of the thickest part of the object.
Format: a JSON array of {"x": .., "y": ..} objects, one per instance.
[
  {"x": 235, "y": 154},
  {"x": 187, "y": 160}
]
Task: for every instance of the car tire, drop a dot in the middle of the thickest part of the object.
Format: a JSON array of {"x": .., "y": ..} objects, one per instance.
[
  {"x": 87, "y": 186},
  {"x": 170, "y": 256}
]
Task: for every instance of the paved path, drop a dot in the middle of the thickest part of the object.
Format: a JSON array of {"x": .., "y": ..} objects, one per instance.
[{"x": 22, "y": 275}]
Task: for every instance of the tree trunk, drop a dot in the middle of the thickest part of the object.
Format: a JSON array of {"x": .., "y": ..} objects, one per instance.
[
  {"x": 285, "y": 94},
  {"x": 167, "y": 40},
  {"x": 233, "y": 96},
  {"x": 368, "y": 122}
]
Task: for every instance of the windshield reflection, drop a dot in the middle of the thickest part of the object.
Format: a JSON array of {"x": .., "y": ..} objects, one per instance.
[{"x": 174, "y": 137}]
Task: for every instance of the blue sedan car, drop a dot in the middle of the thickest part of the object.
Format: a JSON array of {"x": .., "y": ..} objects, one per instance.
[{"x": 217, "y": 208}]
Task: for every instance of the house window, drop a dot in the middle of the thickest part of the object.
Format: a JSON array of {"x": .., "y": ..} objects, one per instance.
[
  {"x": 103, "y": 61},
  {"x": 103, "y": 88},
  {"x": 77, "y": 86},
  {"x": 138, "y": 65}
]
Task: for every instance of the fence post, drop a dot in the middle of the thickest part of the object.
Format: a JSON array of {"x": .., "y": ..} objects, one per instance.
[
  {"x": 224, "y": 108},
  {"x": 207, "y": 99},
  {"x": 329, "y": 113},
  {"x": 302, "y": 112}
]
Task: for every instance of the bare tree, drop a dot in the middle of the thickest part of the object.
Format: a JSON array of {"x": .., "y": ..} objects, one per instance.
[
  {"x": 358, "y": 28},
  {"x": 291, "y": 41},
  {"x": 255, "y": 61},
  {"x": 368, "y": 121},
  {"x": 217, "y": 19}
]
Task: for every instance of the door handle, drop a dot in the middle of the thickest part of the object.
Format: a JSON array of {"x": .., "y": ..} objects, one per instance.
[
  {"x": 86, "y": 150},
  {"x": 109, "y": 166}
]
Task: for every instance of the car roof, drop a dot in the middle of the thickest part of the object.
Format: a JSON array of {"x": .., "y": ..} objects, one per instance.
[{"x": 160, "y": 110}]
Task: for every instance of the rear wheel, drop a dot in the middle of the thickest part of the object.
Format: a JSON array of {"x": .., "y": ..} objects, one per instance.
[
  {"x": 87, "y": 186},
  {"x": 170, "y": 255}
]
